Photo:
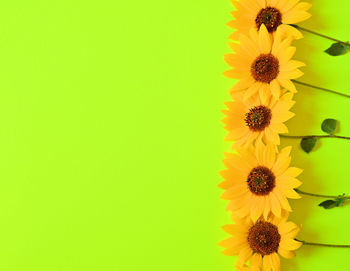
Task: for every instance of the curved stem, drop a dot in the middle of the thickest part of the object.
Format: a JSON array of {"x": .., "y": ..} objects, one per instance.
[
  {"x": 318, "y": 195},
  {"x": 315, "y": 136},
  {"x": 320, "y": 35},
  {"x": 320, "y": 88},
  {"x": 322, "y": 245}
]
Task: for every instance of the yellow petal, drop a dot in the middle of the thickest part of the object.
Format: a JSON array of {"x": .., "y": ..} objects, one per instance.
[
  {"x": 282, "y": 199},
  {"x": 269, "y": 155},
  {"x": 291, "y": 65},
  {"x": 235, "y": 191},
  {"x": 276, "y": 262},
  {"x": 257, "y": 208},
  {"x": 293, "y": 172},
  {"x": 286, "y": 227},
  {"x": 244, "y": 255},
  {"x": 275, "y": 205},
  {"x": 230, "y": 251},
  {"x": 295, "y": 16},
  {"x": 272, "y": 136},
  {"x": 264, "y": 40},
  {"x": 256, "y": 260},
  {"x": 290, "y": 244},
  {"x": 275, "y": 89},
  {"x": 287, "y": 5},
  {"x": 287, "y": 54},
  {"x": 290, "y": 193},
  {"x": 267, "y": 264},
  {"x": 282, "y": 117},
  {"x": 281, "y": 165},
  {"x": 262, "y": 3},
  {"x": 303, "y": 6},
  {"x": 279, "y": 47},
  {"x": 232, "y": 242},
  {"x": 251, "y": 90},
  {"x": 235, "y": 74},
  {"x": 286, "y": 253},
  {"x": 272, "y": 3},
  {"x": 279, "y": 127},
  {"x": 287, "y": 30},
  {"x": 249, "y": 46},
  {"x": 237, "y": 133},
  {"x": 267, "y": 207},
  {"x": 250, "y": 5},
  {"x": 288, "y": 181},
  {"x": 234, "y": 229},
  {"x": 293, "y": 74},
  {"x": 264, "y": 93},
  {"x": 287, "y": 84},
  {"x": 242, "y": 84}
]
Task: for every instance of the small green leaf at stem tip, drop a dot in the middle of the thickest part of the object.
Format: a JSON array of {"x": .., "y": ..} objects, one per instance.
[
  {"x": 308, "y": 143},
  {"x": 337, "y": 49},
  {"x": 329, "y": 204},
  {"x": 329, "y": 126}
]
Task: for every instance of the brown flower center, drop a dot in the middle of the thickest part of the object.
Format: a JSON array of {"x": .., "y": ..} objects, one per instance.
[
  {"x": 258, "y": 118},
  {"x": 261, "y": 181},
  {"x": 270, "y": 17},
  {"x": 264, "y": 238},
  {"x": 265, "y": 68}
]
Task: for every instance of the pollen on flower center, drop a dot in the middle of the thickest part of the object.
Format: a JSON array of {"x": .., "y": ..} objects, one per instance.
[
  {"x": 261, "y": 181},
  {"x": 258, "y": 118},
  {"x": 264, "y": 238},
  {"x": 270, "y": 17},
  {"x": 265, "y": 68}
]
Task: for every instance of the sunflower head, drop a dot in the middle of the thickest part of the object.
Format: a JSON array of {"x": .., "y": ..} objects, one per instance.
[
  {"x": 261, "y": 243},
  {"x": 263, "y": 64},
  {"x": 252, "y": 121},
  {"x": 273, "y": 14},
  {"x": 259, "y": 181}
]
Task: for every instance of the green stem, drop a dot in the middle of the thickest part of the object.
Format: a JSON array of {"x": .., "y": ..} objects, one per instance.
[
  {"x": 322, "y": 245},
  {"x": 315, "y": 136},
  {"x": 320, "y": 88},
  {"x": 318, "y": 195},
  {"x": 320, "y": 35}
]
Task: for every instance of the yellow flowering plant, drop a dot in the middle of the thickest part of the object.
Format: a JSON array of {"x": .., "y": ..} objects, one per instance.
[{"x": 258, "y": 179}]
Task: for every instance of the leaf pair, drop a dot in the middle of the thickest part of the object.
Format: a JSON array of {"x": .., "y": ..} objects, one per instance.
[
  {"x": 328, "y": 126},
  {"x": 329, "y": 204}
]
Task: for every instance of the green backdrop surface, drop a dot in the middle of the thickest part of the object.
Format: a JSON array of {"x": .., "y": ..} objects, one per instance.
[{"x": 111, "y": 139}]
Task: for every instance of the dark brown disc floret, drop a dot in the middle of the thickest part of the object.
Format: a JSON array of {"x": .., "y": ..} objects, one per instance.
[
  {"x": 261, "y": 181},
  {"x": 270, "y": 17},
  {"x": 258, "y": 118},
  {"x": 265, "y": 68},
  {"x": 264, "y": 238}
]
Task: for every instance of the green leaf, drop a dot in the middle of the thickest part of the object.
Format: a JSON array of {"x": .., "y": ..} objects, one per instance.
[
  {"x": 308, "y": 143},
  {"x": 328, "y": 204},
  {"x": 329, "y": 126},
  {"x": 340, "y": 200},
  {"x": 337, "y": 49}
]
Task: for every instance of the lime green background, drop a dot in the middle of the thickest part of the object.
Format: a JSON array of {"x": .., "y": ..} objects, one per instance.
[{"x": 111, "y": 140}]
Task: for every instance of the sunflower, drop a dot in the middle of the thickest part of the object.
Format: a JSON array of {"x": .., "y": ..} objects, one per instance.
[
  {"x": 262, "y": 65},
  {"x": 252, "y": 120},
  {"x": 271, "y": 13},
  {"x": 258, "y": 181},
  {"x": 261, "y": 243}
]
